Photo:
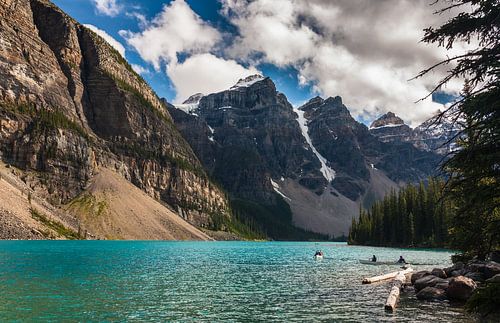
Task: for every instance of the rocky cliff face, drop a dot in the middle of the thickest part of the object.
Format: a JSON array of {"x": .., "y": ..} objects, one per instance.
[
  {"x": 353, "y": 151},
  {"x": 317, "y": 158},
  {"x": 433, "y": 135},
  {"x": 389, "y": 127},
  {"x": 69, "y": 104},
  {"x": 248, "y": 140}
]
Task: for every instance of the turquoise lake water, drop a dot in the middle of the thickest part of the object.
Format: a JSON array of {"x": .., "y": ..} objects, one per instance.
[{"x": 134, "y": 281}]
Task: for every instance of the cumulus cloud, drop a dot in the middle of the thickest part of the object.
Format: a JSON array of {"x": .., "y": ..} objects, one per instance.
[
  {"x": 205, "y": 73},
  {"x": 108, "y": 7},
  {"x": 107, "y": 37},
  {"x": 364, "y": 51},
  {"x": 177, "y": 29}
]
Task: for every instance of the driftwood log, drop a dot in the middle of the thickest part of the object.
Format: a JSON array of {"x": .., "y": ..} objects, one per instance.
[
  {"x": 392, "y": 300},
  {"x": 375, "y": 279}
]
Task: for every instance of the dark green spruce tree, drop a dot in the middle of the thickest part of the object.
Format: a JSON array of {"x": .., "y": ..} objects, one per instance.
[
  {"x": 414, "y": 216},
  {"x": 473, "y": 170}
]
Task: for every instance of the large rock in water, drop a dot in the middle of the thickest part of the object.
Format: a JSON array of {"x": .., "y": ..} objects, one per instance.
[
  {"x": 431, "y": 294},
  {"x": 460, "y": 288},
  {"x": 70, "y": 104},
  {"x": 428, "y": 281},
  {"x": 419, "y": 274},
  {"x": 456, "y": 267},
  {"x": 491, "y": 269},
  {"x": 438, "y": 272}
]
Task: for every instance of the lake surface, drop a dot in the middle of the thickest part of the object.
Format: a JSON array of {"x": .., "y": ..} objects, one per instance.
[{"x": 135, "y": 281}]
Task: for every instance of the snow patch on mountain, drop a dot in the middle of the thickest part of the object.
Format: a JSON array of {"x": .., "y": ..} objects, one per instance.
[
  {"x": 391, "y": 125},
  {"x": 327, "y": 172},
  {"x": 276, "y": 188},
  {"x": 247, "y": 81},
  {"x": 189, "y": 108}
]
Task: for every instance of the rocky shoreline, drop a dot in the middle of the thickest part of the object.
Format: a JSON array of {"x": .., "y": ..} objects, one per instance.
[{"x": 457, "y": 283}]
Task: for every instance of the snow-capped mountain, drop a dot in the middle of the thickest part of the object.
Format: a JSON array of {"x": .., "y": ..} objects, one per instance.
[
  {"x": 313, "y": 165},
  {"x": 437, "y": 134}
]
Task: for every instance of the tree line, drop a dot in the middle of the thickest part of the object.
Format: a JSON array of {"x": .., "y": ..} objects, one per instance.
[{"x": 417, "y": 215}]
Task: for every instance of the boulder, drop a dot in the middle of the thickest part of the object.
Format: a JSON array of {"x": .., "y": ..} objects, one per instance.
[
  {"x": 494, "y": 279},
  {"x": 444, "y": 285},
  {"x": 495, "y": 256},
  {"x": 475, "y": 276},
  {"x": 491, "y": 269},
  {"x": 460, "y": 288},
  {"x": 419, "y": 274},
  {"x": 457, "y": 266},
  {"x": 431, "y": 294},
  {"x": 438, "y": 272},
  {"x": 475, "y": 267},
  {"x": 457, "y": 273},
  {"x": 428, "y": 281}
]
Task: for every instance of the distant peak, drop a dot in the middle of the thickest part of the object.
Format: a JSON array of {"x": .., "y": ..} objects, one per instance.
[
  {"x": 316, "y": 99},
  {"x": 194, "y": 99},
  {"x": 248, "y": 81},
  {"x": 334, "y": 100},
  {"x": 388, "y": 119}
]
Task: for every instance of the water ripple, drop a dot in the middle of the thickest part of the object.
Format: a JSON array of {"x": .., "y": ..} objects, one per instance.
[{"x": 95, "y": 281}]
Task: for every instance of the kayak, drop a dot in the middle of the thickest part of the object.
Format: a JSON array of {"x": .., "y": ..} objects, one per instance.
[
  {"x": 318, "y": 257},
  {"x": 378, "y": 263}
]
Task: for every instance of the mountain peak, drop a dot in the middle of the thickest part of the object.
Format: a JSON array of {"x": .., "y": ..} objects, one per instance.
[
  {"x": 248, "y": 81},
  {"x": 335, "y": 100},
  {"x": 387, "y": 120},
  {"x": 194, "y": 99}
]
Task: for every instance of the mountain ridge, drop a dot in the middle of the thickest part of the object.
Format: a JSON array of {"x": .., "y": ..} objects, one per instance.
[
  {"x": 70, "y": 104},
  {"x": 334, "y": 176}
]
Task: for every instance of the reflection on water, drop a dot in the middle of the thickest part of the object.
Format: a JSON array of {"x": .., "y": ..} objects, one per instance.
[{"x": 205, "y": 281}]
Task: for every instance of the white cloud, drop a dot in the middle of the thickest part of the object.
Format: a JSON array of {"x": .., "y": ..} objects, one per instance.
[
  {"x": 364, "y": 51},
  {"x": 205, "y": 73},
  {"x": 139, "y": 69},
  {"x": 107, "y": 37},
  {"x": 177, "y": 29},
  {"x": 108, "y": 7}
]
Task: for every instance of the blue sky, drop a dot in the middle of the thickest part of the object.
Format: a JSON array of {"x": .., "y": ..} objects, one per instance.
[
  {"x": 85, "y": 12},
  {"x": 363, "y": 51}
]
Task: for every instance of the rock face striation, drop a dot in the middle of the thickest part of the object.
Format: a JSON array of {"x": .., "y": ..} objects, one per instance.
[
  {"x": 248, "y": 140},
  {"x": 316, "y": 159},
  {"x": 437, "y": 134},
  {"x": 70, "y": 104}
]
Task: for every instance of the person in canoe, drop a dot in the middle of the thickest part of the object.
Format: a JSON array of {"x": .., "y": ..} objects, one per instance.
[
  {"x": 318, "y": 253},
  {"x": 401, "y": 260},
  {"x": 374, "y": 259}
]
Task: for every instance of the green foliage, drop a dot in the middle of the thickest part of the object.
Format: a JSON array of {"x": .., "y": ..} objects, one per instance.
[
  {"x": 47, "y": 118},
  {"x": 415, "y": 216},
  {"x": 54, "y": 225},
  {"x": 473, "y": 170},
  {"x": 485, "y": 300},
  {"x": 136, "y": 150},
  {"x": 272, "y": 221},
  {"x": 139, "y": 97},
  {"x": 89, "y": 204}
]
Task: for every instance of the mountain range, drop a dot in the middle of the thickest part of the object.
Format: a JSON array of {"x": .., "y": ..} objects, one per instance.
[{"x": 89, "y": 150}]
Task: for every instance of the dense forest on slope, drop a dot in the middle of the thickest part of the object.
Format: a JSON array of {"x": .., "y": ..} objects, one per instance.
[{"x": 418, "y": 215}]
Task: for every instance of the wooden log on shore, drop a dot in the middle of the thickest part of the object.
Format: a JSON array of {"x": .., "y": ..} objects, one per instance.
[
  {"x": 375, "y": 279},
  {"x": 392, "y": 300}
]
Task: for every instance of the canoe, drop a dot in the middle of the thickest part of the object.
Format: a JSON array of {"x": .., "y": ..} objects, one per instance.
[
  {"x": 378, "y": 263},
  {"x": 318, "y": 257}
]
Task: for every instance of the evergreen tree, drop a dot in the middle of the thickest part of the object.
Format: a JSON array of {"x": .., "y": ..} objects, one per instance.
[
  {"x": 473, "y": 170},
  {"x": 391, "y": 222}
]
